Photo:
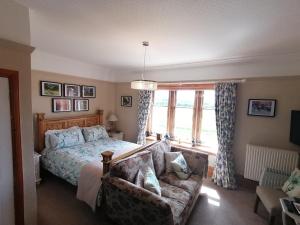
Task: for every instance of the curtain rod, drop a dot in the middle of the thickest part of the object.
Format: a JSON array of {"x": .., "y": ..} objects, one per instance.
[{"x": 205, "y": 81}]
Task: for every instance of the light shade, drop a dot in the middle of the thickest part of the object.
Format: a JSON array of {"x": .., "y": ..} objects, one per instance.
[
  {"x": 144, "y": 85},
  {"x": 112, "y": 118}
]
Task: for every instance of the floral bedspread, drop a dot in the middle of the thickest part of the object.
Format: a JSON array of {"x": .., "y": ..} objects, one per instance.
[{"x": 66, "y": 163}]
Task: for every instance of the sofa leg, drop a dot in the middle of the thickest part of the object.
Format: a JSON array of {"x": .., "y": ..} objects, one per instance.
[
  {"x": 256, "y": 203},
  {"x": 271, "y": 220}
]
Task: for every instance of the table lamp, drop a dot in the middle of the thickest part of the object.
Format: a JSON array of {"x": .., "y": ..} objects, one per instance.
[{"x": 112, "y": 119}]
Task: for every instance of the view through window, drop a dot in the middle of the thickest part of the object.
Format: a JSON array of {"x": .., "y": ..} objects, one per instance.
[{"x": 183, "y": 121}]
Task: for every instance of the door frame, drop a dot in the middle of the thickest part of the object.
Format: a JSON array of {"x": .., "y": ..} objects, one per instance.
[{"x": 13, "y": 79}]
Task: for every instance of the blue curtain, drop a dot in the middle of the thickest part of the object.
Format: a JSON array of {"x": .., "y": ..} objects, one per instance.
[
  {"x": 225, "y": 120},
  {"x": 145, "y": 100}
]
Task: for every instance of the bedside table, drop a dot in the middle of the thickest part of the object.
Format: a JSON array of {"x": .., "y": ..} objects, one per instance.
[
  {"x": 36, "y": 158},
  {"x": 117, "y": 135}
]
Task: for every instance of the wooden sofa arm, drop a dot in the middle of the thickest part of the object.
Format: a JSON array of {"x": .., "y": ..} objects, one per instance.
[
  {"x": 127, "y": 203},
  {"x": 197, "y": 161}
]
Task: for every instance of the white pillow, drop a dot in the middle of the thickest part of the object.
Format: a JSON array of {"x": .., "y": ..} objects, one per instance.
[
  {"x": 66, "y": 138},
  {"x": 94, "y": 133},
  {"x": 169, "y": 157},
  {"x": 181, "y": 168},
  {"x": 294, "y": 193},
  {"x": 150, "y": 182}
]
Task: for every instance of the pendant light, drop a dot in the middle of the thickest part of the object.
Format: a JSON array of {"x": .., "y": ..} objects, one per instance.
[{"x": 144, "y": 84}]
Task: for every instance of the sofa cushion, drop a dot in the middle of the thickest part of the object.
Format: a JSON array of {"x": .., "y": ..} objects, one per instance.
[
  {"x": 170, "y": 156},
  {"x": 270, "y": 198},
  {"x": 158, "y": 155},
  {"x": 127, "y": 168},
  {"x": 191, "y": 185},
  {"x": 181, "y": 168},
  {"x": 177, "y": 198},
  {"x": 150, "y": 182},
  {"x": 292, "y": 182}
]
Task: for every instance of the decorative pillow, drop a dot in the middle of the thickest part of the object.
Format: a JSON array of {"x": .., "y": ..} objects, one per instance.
[
  {"x": 94, "y": 133},
  {"x": 294, "y": 193},
  {"x": 181, "y": 168},
  {"x": 67, "y": 138},
  {"x": 292, "y": 182},
  {"x": 151, "y": 183},
  {"x": 128, "y": 168},
  {"x": 49, "y": 132},
  {"x": 170, "y": 156},
  {"x": 158, "y": 155},
  {"x": 139, "y": 180}
]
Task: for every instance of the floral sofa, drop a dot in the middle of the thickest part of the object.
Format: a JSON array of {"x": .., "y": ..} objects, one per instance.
[{"x": 129, "y": 204}]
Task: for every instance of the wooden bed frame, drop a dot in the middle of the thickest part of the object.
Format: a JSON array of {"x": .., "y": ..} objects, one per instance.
[{"x": 44, "y": 124}]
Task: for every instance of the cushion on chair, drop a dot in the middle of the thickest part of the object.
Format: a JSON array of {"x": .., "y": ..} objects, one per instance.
[
  {"x": 181, "y": 168},
  {"x": 128, "y": 168},
  {"x": 170, "y": 156},
  {"x": 293, "y": 181},
  {"x": 191, "y": 185},
  {"x": 270, "y": 198},
  {"x": 177, "y": 198},
  {"x": 158, "y": 155}
]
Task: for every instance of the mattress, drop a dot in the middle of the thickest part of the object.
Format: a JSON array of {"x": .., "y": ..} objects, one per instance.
[{"x": 67, "y": 163}]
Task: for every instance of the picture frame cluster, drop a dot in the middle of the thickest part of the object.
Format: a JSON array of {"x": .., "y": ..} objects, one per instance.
[{"x": 68, "y": 97}]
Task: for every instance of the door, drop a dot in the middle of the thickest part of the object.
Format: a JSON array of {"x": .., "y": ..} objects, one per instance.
[{"x": 7, "y": 213}]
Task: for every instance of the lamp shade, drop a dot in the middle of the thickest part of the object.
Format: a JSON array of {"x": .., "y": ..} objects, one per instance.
[
  {"x": 144, "y": 85},
  {"x": 112, "y": 118}
]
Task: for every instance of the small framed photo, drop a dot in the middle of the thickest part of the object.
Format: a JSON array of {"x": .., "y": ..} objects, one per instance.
[
  {"x": 51, "y": 89},
  {"x": 262, "y": 107},
  {"x": 81, "y": 105},
  {"x": 88, "y": 91},
  {"x": 61, "y": 105},
  {"x": 72, "y": 90},
  {"x": 126, "y": 101}
]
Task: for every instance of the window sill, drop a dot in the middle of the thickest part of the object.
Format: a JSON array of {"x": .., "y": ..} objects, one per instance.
[{"x": 205, "y": 149}]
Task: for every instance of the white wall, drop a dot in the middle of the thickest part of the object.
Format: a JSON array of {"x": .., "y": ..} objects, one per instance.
[
  {"x": 6, "y": 162},
  {"x": 44, "y": 61},
  {"x": 14, "y": 23}
]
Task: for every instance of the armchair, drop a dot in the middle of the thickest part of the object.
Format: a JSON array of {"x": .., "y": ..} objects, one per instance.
[{"x": 269, "y": 192}]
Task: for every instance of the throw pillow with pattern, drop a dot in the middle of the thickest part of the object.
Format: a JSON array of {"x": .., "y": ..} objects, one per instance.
[
  {"x": 139, "y": 180},
  {"x": 169, "y": 157},
  {"x": 181, "y": 168},
  {"x": 151, "y": 183},
  {"x": 292, "y": 182}
]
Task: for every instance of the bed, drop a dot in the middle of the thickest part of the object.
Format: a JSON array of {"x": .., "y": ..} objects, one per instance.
[{"x": 81, "y": 163}]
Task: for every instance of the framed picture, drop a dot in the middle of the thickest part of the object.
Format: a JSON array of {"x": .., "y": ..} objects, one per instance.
[
  {"x": 126, "y": 101},
  {"x": 52, "y": 89},
  {"x": 88, "y": 91},
  {"x": 72, "y": 90},
  {"x": 61, "y": 105},
  {"x": 81, "y": 105},
  {"x": 262, "y": 107}
]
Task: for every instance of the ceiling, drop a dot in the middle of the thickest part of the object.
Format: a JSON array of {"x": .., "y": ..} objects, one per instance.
[{"x": 110, "y": 32}]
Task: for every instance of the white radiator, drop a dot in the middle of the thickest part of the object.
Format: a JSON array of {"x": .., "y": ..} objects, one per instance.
[{"x": 259, "y": 157}]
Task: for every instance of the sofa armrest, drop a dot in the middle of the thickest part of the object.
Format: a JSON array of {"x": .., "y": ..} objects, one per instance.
[
  {"x": 127, "y": 203},
  {"x": 197, "y": 161},
  {"x": 273, "y": 178}
]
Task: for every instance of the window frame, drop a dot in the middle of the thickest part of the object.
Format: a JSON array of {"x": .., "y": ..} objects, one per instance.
[{"x": 197, "y": 108}]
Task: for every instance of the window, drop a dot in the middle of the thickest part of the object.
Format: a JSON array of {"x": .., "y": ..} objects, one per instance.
[
  {"x": 184, "y": 115},
  {"x": 208, "y": 134},
  {"x": 160, "y": 112}
]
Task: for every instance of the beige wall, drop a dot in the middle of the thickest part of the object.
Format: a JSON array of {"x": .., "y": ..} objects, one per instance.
[
  {"x": 272, "y": 132},
  {"x": 105, "y": 94},
  {"x": 16, "y": 57},
  {"x": 127, "y": 115}
]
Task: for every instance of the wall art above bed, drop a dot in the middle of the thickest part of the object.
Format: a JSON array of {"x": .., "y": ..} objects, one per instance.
[
  {"x": 72, "y": 90},
  {"x": 80, "y": 105},
  {"x": 61, "y": 105},
  {"x": 88, "y": 91},
  {"x": 52, "y": 89}
]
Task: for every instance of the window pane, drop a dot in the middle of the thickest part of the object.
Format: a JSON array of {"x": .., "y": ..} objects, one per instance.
[
  {"x": 184, "y": 115},
  {"x": 160, "y": 111},
  {"x": 208, "y": 128}
]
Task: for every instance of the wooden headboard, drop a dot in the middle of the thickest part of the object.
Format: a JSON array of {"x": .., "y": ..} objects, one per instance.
[{"x": 63, "y": 123}]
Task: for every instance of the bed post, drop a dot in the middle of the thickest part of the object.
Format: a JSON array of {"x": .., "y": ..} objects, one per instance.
[
  {"x": 41, "y": 139},
  {"x": 106, "y": 161},
  {"x": 100, "y": 113}
]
